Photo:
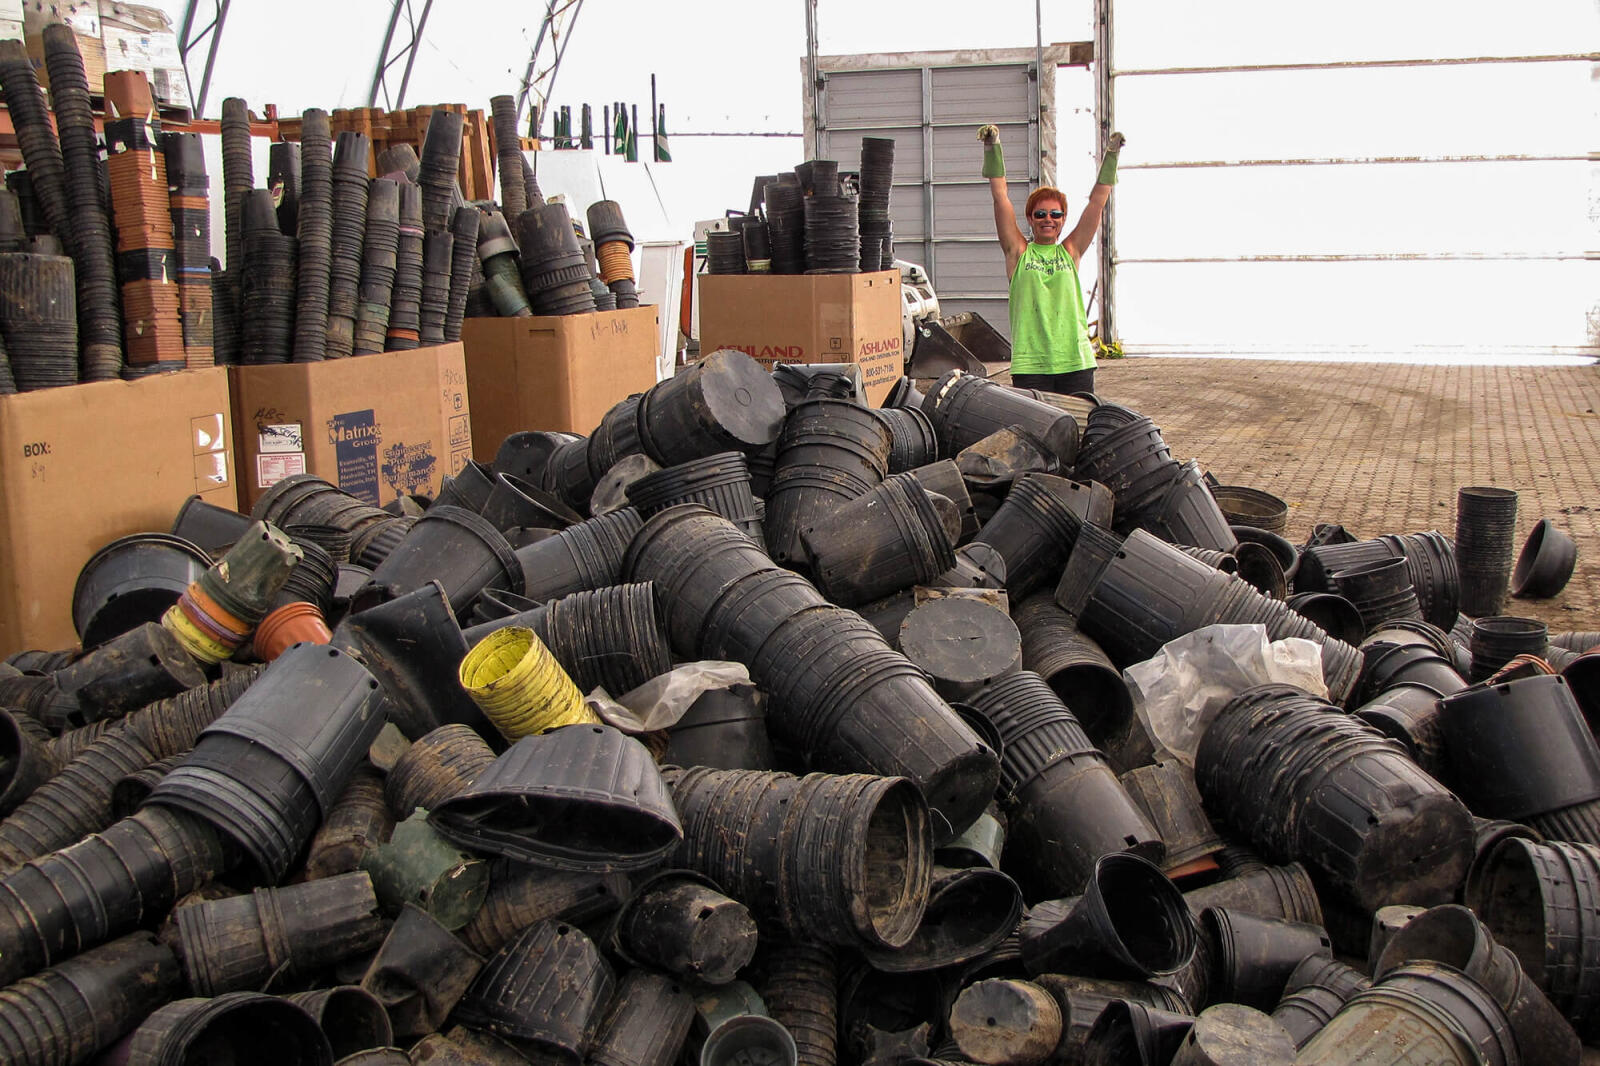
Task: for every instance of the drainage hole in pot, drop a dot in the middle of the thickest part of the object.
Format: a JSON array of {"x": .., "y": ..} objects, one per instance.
[
  {"x": 989, "y": 1021},
  {"x": 705, "y": 912}
]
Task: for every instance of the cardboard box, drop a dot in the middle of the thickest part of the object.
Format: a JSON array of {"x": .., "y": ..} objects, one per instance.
[
  {"x": 140, "y": 37},
  {"x": 378, "y": 426},
  {"x": 84, "y": 18},
  {"x": 84, "y": 465},
  {"x": 809, "y": 318},
  {"x": 561, "y": 372}
]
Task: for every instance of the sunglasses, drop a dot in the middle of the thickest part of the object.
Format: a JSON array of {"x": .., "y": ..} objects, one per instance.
[{"x": 1042, "y": 215}]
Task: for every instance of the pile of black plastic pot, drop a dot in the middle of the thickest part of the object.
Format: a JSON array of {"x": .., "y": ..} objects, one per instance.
[
  {"x": 809, "y": 220},
  {"x": 60, "y": 306},
  {"x": 261, "y": 819}
]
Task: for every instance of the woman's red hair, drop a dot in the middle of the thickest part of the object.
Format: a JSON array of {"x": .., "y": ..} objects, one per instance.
[{"x": 1044, "y": 192}]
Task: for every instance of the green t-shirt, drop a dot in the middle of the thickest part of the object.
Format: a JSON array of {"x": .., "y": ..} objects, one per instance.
[{"x": 1048, "y": 332}]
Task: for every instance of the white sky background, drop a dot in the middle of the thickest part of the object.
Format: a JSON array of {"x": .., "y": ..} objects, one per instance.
[{"x": 735, "y": 67}]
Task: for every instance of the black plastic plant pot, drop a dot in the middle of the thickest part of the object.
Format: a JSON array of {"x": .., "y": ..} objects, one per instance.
[
  {"x": 845, "y": 859},
  {"x": 727, "y": 401},
  {"x": 609, "y": 638},
  {"x": 1544, "y": 566},
  {"x": 1129, "y": 923},
  {"x": 1379, "y": 830},
  {"x": 1005, "y": 1021},
  {"x": 74, "y": 802},
  {"x": 965, "y": 409},
  {"x": 544, "y": 992},
  {"x": 264, "y": 773},
  {"x": 679, "y": 922},
  {"x": 1520, "y": 749},
  {"x": 517, "y": 502},
  {"x": 1256, "y": 565},
  {"x": 1287, "y": 554},
  {"x": 527, "y": 453},
  {"x": 567, "y": 474},
  {"x": 913, "y": 441},
  {"x": 969, "y": 913},
  {"x": 1454, "y": 936},
  {"x": 1081, "y": 674},
  {"x": 864, "y": 708},
  {"x": 142, "y": 863},
  {"x": 1067, "y": 807},
  {"x": 588, "y": 555},
  {"x": 1166, "y": 792},
  {"x": 694, "y": 557},
  {"x": 130, "y": 581},
  {"x": 645, "y": 1024},
  {"x": 437, "y": 766},
  {"x": 581, "y": 798},
  {"x": 1424, "y": 1012},
  {"x": 358, "y": 822},
  {"x": 276, "y": 934},
  {"x": 749, "y": 1038},
  {"x": 944, "y": 479},
  {"x": 1332, "y": 613},
  {"x": 25, "y": 758},
  {"x": 1278, "y": 891},
  {"x": 1382, "y": 591},
  {"x": 1036, "y": 527},
  {"x": 141, "y": 666},
  {"x": 213, "y": 529},
  {"x": 84, "y": 1004},
  {"x": 725, "y": 728},
  {"x": 892, "y": 537},
  {"x": 830, "y": 452},
  {"x": 1084, "y": 1000},
  {"x": 720, "y": 482},
  {"x": 1232, "y": 1034},
  {"x": 801, "y": 990},
  {"x": 242, "y": 1027},
  {"x": 1498, "y": 639},
  {"x": 1131, "y": 1034},
  {"x": 420, "y": 973},
  {"x": 1255, "y": 954},
  {"x": 461, "y": 550},
  {"x": 1388, "y": 665},
  {"x": 1246, "y": 506},
  {"x": 414, "y": 648},
  {"x": 1186, "y": 513},
  {"x": 611, "y": 490},
  {"x": 520, "y": 895},
  {"x": 1486, "y": 520},
  {"x": 962, "y": 642},
  {"x": 1410, "y": 714},
  {"x": 1149, "y": 593}
]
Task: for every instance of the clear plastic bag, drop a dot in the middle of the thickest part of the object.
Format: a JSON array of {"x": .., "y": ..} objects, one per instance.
[{"x": 1179, "y": 690}]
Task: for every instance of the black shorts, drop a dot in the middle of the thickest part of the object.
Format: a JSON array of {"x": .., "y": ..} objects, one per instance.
[{"x": 1065, "y": 384}]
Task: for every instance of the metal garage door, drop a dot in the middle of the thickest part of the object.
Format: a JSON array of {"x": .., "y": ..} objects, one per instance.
[{"x": 940, "y": 203}]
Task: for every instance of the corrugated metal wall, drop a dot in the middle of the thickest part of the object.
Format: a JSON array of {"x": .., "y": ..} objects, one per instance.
[{"x": 940, "y": 205}]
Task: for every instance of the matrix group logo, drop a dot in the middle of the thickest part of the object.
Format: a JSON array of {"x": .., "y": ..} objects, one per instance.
[{"x": 355, "y": 436}]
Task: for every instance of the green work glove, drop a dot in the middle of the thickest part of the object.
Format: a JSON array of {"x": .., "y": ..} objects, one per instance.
[
  {"x": 994, "y": 162},
  {"x": 1108, "y": 165}
]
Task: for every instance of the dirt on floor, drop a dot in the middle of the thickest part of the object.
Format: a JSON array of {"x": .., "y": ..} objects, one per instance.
[{"x": 1382, "y": 448}]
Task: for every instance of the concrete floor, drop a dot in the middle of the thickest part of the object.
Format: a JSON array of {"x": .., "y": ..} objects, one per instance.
[{"x": 1382, "y": 448}]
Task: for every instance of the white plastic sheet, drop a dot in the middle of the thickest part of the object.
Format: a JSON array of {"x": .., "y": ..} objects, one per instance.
[
  {"x": 1178, "y": 691},
  {"x": 661, "y": 701}
]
